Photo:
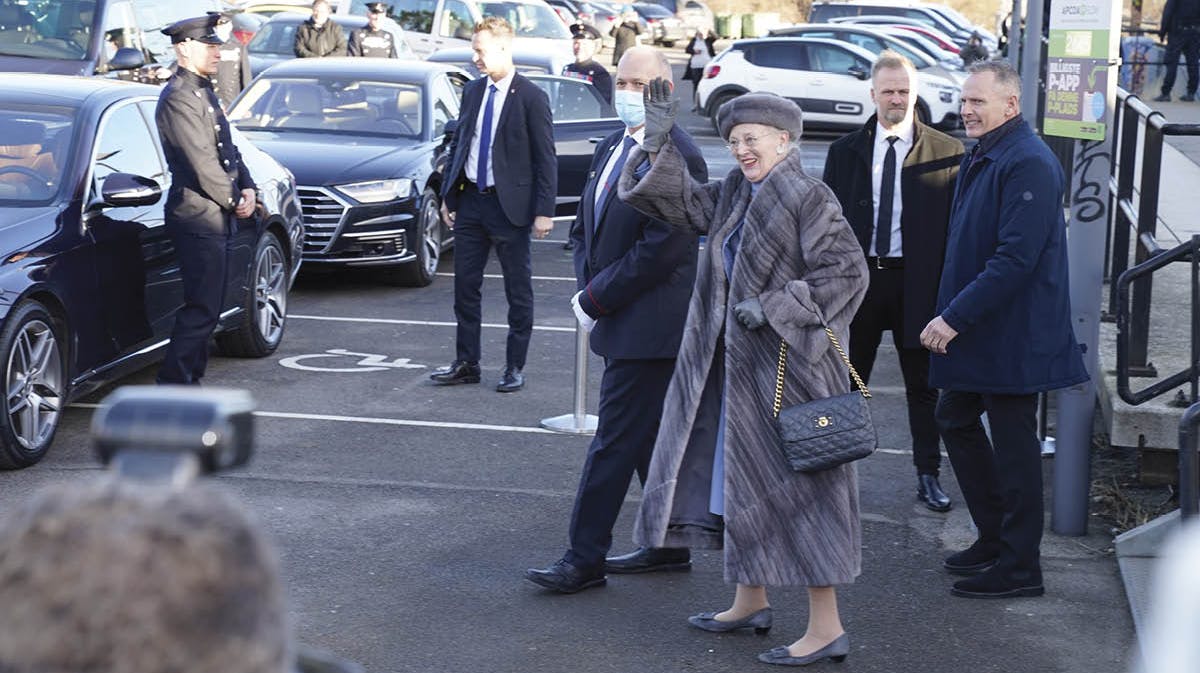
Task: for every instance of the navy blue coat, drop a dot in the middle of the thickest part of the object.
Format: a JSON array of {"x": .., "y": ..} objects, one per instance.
[
  {"x": 524, "y": 162},
  {"x": 1004, "y": 285},
  {"x": 636, "y": 272}
]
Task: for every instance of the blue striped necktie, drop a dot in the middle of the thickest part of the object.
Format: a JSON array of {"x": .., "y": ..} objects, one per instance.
[
  {"x": 610, "y": 183},
  {"x": 485, "y": 140}
]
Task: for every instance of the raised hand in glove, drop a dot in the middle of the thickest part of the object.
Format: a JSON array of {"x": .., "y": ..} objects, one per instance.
[
  {"x": 661, "y": 106},
  {"x": 750, "y": 313}
]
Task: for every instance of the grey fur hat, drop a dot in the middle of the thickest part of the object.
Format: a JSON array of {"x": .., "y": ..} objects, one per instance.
[{"x": 763, "y": 108}]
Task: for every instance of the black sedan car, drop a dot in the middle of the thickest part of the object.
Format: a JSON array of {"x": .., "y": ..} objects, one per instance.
[
  {"x": 90, "y": 280},
  {"x": 364, "y": 138}
]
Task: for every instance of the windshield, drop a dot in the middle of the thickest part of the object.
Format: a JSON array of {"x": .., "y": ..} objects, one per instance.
[
  {"x": 332, "y": 104},
  {"x": 919, "y": 59},
  {"x": 274, "y": 37},
  {"x": 46, "y": 28},
  {"x": 34, "y": 146},
  {"x": 528, "y": 20},
  {"x": 154, "y": 15}
]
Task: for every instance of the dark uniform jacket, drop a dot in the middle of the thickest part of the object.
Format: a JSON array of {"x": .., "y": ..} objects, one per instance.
[
  {"x": 207, "y": 173},
  {"x": 636, "y": 272},
  {"x": 233, "y": 73},
  {"x": 926, "y": 190},
  {"x": 1005, "y": 285},
  {"x": 524, "y": 162},
  {"x": 594, "y": 73},
  {"x": 313, "y": 42},
  {"x": 372, "y": 43},
  {"x": 1180, "y": 15}
]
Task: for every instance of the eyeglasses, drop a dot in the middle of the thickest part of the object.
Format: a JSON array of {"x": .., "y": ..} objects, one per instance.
[{"x": 749, "y": 142}]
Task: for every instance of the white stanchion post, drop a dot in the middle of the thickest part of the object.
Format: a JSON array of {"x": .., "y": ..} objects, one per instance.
[{"x": 578, "y": 422}]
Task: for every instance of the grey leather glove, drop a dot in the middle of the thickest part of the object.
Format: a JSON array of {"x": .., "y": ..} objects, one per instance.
[
  {"x": 750, "y": 313},
  {"x": 661, "y": 107}
]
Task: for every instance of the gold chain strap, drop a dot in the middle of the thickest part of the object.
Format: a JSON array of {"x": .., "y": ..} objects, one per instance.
[{"x": 862, "y": 387}]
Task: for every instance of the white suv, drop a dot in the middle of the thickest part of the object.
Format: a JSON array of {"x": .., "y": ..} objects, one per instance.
[{"x": 828, "y": 79}]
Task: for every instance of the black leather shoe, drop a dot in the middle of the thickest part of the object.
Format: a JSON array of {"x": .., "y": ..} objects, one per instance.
[
  {"x": 648, "y": 560},
  {"x": 566, "y": 577},
  {"x": 975, "y": 559},
  {"x": 999, "y": 583},
  {"x": 1163, "y": 98},
  {"x": 511, "y": 381},
  {"x": 930, "y": 492},
  {"x": 457, "y": 372},
  {"x": 1188, "y": 98}
]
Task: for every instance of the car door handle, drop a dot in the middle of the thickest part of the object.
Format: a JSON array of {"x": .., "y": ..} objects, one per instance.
[{"x": 595, "y": 139}]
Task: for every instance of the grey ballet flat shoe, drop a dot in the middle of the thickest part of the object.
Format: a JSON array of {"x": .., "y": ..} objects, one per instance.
[
  {"x": 836, "y": 650},
  {"x": 759, "y": 621}
]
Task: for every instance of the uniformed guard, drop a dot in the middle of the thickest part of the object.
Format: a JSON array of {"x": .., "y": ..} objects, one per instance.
[
  {"x": 373, "y": 41},
  {"x": 585, "y": 40},
  {"x": 210, "y": 187},
  {"x": 233, "y": 72}
]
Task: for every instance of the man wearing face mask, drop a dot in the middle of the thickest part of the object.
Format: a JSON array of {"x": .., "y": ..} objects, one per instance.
[
  {"x": 634, "y": 275},
  {"x": 895, "y": 179},
  {"x": 210, "y": 187},
  {"x": 233, "y": 71}
]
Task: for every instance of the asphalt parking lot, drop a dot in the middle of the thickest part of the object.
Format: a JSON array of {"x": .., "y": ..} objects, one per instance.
[{"x": 405, "y": 513}]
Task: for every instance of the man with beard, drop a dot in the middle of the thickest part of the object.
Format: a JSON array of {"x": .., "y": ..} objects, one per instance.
[{"x": 895, "y": 180}]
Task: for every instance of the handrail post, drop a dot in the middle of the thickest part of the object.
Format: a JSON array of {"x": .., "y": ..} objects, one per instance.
[
  {"x": 1188, "y": 474},
  {"x": 1139, "y": 324},
  {"x": 1125, "y": 179},
  {"x": 578, "y": 422}
]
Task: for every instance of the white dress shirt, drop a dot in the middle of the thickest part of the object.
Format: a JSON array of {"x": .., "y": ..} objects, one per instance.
[
  {"x": 639, "y": 137},
  {"x": 903, "y": 131},
  {"x": 502, "y": 89}
]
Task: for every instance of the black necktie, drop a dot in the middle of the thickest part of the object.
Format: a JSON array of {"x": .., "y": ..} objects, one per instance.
[{"x": 887, "y": 193}]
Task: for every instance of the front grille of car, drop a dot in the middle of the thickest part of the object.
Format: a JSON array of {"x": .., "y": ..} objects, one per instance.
[{"x": 323, "y": 214}]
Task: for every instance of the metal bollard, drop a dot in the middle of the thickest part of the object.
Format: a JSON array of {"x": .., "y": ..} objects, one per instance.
[
  {"x": 579, "y": 422},
  {"x": 1048, "y": 444}
]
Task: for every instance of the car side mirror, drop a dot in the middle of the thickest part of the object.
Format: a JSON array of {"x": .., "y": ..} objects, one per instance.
[
  {"x": 125, "y": 190},
  {"x": 127, "y": 58},
  {"x": 858, "y": 72}
]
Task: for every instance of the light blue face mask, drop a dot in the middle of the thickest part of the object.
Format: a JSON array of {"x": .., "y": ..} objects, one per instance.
[{"x": 629, "y": 108}]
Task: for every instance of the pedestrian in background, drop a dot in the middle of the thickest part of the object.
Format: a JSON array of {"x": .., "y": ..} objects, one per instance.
[
  {"x": 320, "y": 36},
  {"x": 1180, "y": 28},
  {"x": 895, "y": 180},
  {"x": 634, "y": 275},
  {"x": 135, "y": 578},
  {"x": 372, "y": 41},
  {"x": 626, "y": 34},
  {"x": 974, "y": 50},
  {"x": 233, "y": 72},
  {"x": 501, "y": 182},
  {"x": 700, "y": 52},
  {"x": 584, "y": 42},
  {"x": 781, "y": 264},
  {"x": 210, "y": 188},
  {"x": 1002, "y": 333}
]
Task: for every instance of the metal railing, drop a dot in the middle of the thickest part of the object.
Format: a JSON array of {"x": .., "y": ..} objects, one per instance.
[{"x": 1138, "y": 133}]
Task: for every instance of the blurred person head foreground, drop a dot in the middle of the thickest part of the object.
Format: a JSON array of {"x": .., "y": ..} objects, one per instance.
[{"x": 129, "y": 578}]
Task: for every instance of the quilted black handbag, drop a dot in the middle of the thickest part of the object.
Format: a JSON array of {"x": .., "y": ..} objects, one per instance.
[{"x": 824, "y": 433}]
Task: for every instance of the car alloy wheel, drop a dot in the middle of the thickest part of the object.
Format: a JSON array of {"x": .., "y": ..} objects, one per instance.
[
  {"x": 431, "y": 235},
  {"x": 35, "y": 385},
  {"x": 270, "y": 293}
]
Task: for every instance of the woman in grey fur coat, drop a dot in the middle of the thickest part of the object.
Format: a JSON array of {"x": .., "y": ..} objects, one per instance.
[{"x": 780, "y": 261}]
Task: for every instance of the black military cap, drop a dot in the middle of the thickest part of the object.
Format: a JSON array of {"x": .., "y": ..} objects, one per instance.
[
  {"x": 199, "y": 28},
  {"x": 218, "y": 18},
  {"x": 582, "y": 31},
  {"x": 376, "y": 8}
]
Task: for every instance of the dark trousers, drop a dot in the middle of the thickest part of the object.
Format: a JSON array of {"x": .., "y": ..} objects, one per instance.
[
  {"x": 1001, "y": 480},
  {"x": 203, "y": 262},
  {"x": 1184, "y": 41},
  {"x": 882, "y": 310},
  {"x": 631, "y": 401},
  {"x": 479, "y": 225}
]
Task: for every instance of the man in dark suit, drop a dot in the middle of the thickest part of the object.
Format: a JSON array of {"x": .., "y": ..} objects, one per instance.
[
  {"x": 635, "y": 277},
  {"x": 501, "y": 181},
  {"x": 895, "y": 180},
  {"x": 210, "y": 187}
]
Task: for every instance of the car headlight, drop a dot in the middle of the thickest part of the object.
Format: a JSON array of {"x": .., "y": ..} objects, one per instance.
[{"x": 378, "y": 191}]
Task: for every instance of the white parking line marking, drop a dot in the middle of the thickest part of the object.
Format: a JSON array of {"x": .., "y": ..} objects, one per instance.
[
  {"x": 496, "y": 275},
  {"x": 371, "y": 420},
  {"x": 429, "y": 323}
]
